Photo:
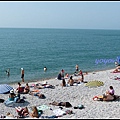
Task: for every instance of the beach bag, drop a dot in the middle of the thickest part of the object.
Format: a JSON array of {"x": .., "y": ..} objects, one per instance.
[
  {"x": 80, "y": 106},
  {"x": 2, "y": 100}
]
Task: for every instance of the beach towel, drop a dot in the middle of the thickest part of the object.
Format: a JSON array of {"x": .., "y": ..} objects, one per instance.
[
  {"x": 9, "y": 103},
  {"x": 98, "y": 98},
  {"x": 43, "y": 107},
  {"x": 59, "y": 112},
  {"x": 66, "y": 104},
  {"x": 35, "y": 91}
]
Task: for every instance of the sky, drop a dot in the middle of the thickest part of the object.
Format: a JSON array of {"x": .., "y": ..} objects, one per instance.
[{"x": 60, "y": 14}]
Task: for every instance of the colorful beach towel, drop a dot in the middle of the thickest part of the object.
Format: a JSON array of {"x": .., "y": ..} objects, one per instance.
[
  {"x": 43, "y": 107},
  {"x": 35, "y": 90}
]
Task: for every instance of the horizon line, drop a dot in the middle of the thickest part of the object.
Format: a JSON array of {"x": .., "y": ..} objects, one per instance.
[{"x": 63, "y": 28}]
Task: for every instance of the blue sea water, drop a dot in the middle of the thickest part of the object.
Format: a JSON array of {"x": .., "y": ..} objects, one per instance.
[{"x": 35, "y": 48}]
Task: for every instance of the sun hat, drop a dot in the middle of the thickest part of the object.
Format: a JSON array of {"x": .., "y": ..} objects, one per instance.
[
  {"x": 12, "y": 91},
  {"x": 21, "y": 68}
]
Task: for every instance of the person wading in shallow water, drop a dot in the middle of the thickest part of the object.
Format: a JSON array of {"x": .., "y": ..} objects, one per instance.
[
  {"x": 8, "y": 72},
  {"x": 77, "y": 67},
  {"x": 22, "y": 74},
  {"x": 45, "y": 68}
]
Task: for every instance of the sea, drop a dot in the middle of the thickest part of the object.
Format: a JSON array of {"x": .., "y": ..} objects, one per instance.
[{"x": 57, "y": 49}]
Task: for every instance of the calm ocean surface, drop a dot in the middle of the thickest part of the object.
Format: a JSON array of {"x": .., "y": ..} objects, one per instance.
[{"x": 33, "y": 49}]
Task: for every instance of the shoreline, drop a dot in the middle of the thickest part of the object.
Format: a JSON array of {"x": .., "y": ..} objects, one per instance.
[{"x": 47, "y": 79}]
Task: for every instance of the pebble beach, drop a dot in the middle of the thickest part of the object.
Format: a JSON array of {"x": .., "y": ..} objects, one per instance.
[{"x": 75, "y": 95}]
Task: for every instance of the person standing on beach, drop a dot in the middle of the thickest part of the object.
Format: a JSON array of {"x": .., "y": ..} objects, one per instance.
[{"x": 22, "y": 74}]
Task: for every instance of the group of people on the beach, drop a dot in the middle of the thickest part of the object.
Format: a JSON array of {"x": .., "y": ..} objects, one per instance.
[
  {"x": 109, "y": 95},
  {"x": 69, "y": 80},
  {"x": 22, "y": 73},
  {"x": 66, "y": 80}
]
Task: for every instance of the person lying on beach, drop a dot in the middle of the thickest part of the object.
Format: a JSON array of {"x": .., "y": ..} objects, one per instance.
[
  {"x": 38, "y": 94},
  {"x": 43, "y": 85},
  {"x": 65, "y": 104}
]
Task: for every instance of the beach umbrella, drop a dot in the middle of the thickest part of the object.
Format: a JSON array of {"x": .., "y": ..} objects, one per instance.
[
  {"x": 5, "y": 88},
  {"x": 94, "y": 83}
]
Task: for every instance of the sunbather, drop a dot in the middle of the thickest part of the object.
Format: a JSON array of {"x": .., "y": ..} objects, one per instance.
[
  {"x": 44, "y": 85},
  {"x": 38, "y": 94},
  {"x": 66, "y": 104}
]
